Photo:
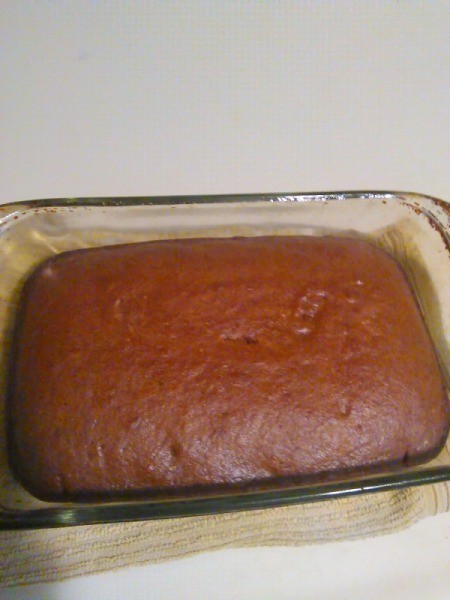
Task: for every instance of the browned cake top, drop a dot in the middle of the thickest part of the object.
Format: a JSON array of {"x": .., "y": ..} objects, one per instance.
[{"x": 174, "y": 363}]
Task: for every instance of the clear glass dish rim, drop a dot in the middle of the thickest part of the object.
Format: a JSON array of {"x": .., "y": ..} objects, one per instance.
[
  {"x": 107, "y": 201},
  {"x": 123, "y": 511}
]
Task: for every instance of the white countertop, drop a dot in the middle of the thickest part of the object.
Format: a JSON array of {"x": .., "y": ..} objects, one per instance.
[{"x": 153, "y": 98}]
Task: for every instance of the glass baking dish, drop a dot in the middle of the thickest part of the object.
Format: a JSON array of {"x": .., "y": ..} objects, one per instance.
[{"x": 413, "y": 228}]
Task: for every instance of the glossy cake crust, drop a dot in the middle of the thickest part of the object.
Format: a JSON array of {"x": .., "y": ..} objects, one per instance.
[{"x": 177, "y": 363}]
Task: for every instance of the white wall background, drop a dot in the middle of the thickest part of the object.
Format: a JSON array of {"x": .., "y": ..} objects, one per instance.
[{"x": 154, "y": 97}]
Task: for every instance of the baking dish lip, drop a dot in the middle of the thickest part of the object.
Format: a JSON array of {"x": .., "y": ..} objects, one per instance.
[
  {"x": 102, "y": 201},
  {"x": 75, "y": 515},
  {"x": 80, "y": 514}
]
